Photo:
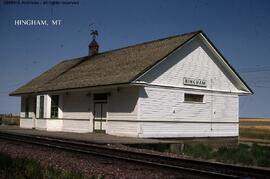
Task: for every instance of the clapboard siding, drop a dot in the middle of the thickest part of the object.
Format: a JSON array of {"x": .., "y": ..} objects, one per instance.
[
  {"x": 122, "y": 128},
  {"x": 225, "y": 108},
  {"x": 77, "y": 126},
  {"x": 26, "y": 123},
  {"x": 163, "y": 129},
  {"x": 123, "y": 104},
  {"x": 41, "y": 124},
  {"x": 168, "y": 104},
  {"x": 194, "y": 60},
  {"x": 54, "y": 124},
  {"x": 163, "y": 104},
  {"x": 77, "y": 105}
]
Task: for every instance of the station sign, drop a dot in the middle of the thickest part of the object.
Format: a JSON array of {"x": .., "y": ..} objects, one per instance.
[{"x": 194, "y": 82}]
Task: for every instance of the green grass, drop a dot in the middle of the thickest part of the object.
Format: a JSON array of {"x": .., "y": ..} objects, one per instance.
[
  {"x": 25, "y": 168},
  {"x": 254, "y": 155}
]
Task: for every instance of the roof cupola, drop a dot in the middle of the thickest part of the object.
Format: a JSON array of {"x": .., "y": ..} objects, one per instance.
[{"x": 93, "y": 46}]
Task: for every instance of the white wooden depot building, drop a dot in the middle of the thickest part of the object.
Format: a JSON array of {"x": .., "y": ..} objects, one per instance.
[{"x": 179, "y": 86}]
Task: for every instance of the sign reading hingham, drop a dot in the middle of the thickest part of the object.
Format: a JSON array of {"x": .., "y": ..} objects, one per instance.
[{"x": 194, "y": 82}]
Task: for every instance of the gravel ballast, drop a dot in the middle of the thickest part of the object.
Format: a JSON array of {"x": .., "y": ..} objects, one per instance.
[{"x": 87, "y": 165}]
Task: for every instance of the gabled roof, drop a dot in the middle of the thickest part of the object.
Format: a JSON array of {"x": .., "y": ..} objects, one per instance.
[{"x": 120, "y": 66}]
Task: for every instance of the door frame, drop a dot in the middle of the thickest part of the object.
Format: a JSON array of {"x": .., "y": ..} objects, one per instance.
[{"x": 94, "y": 119}]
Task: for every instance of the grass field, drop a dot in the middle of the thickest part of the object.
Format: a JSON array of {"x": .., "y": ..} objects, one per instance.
[
  {"x": 253, "y": 148},
  {"x": 9, "y": 119},
  {"x": 255, "y": 130}
]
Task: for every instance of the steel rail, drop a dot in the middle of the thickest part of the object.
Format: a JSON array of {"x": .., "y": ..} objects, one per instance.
[{"x": 194, "y": 167}]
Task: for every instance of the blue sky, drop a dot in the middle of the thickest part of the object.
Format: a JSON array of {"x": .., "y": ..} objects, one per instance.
[{"x": 239, "y": 29}]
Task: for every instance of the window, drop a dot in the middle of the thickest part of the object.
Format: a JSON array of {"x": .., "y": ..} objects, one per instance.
[
  {"x": 193, "y": 98},
  {"x": 41, "y": 107},
  {"x": 27, "y": 108},
  {"x": 100, "y": 96},
  {"x": 54, "y": 106}
]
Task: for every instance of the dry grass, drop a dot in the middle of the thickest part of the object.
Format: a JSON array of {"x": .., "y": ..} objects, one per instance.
[
  {"x": 9, "y": 119},
  {"x": 255, "y": 127},
  {"x": 255, "y": 130},
  {"x": 255, "y": 120}
]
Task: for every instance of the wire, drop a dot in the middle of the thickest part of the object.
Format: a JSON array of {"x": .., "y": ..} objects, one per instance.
[
  {"x": 255, "y": 69},
  {"x": 262, "y": 86}
]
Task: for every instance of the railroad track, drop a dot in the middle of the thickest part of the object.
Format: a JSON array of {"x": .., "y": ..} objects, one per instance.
[{"x": 194, "y": 167}]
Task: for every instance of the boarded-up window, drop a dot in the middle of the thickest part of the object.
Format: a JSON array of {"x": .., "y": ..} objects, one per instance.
[
  {"x": 54, "y": 106},
  {"x": 193, "y": 98},
  {"x": 41, "y": 107}
]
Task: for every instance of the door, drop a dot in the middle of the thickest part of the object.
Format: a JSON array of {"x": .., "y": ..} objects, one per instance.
[{"x": 100, "y": 116}]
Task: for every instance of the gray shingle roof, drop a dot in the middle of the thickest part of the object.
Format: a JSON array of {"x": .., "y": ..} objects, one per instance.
[{"x": 120, "y": 66}]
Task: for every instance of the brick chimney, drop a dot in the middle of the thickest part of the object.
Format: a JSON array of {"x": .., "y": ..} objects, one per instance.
[{"x": 93, "y": 46}]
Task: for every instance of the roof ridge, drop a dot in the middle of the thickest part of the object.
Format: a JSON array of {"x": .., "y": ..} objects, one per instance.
[
  {"x": 138, "y": 44},
  {"x": 152, "y": 41}
]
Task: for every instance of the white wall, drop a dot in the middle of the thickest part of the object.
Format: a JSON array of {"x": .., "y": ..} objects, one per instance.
[
  {"x": 159, "y": 112},
  {"x": 193, "y": 60},
  {"x": 123, "y": 104},
  {"x": 122, "y": 128},
  {"x": 123, "y": 111},
  {"x": 172, "y": 117},
  {"x": 41, "y": 124},
  {"x": 74, "y": 107},
  {"x": 174, "y": 129},
  {"x": 54, "y": 124},
  {"x": 26, "y": 123},
  {"x": 77, "y": 112},
  {"x": 80, "y": 126},
  {"x": 77, "y": 105}
]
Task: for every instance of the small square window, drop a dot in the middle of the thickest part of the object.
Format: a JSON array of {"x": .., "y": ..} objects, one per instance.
[{"x": 193, "y": 98}]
